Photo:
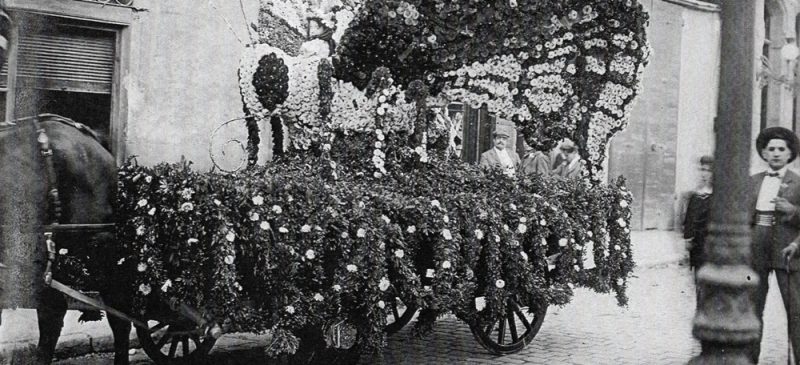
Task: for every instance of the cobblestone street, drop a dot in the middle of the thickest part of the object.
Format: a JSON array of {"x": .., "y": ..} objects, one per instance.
[{"x": 654, "y": 329}]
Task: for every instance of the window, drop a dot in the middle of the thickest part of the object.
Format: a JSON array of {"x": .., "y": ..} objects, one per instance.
[{"x": 62, "y": 66}]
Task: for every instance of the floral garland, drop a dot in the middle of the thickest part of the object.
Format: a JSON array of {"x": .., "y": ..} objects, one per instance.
[{"x": 305, "y": 251}]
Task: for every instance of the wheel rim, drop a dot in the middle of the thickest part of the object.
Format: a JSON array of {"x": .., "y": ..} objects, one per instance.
[
  {"x": 399, "y": 315},
  {"x": 510, "y": 332},
  {"x": 174, "y": 342}
]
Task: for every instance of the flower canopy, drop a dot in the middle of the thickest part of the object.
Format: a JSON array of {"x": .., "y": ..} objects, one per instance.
[{"x": 558, "y": 69}]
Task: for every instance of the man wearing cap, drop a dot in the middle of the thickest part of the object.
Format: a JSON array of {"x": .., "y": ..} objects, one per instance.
[
  {"x": 535, "y": 162},
  {"x": 571, "y": 167},
  {"x": 499, "y": 156},
  {"x": 775, "y": 198}
]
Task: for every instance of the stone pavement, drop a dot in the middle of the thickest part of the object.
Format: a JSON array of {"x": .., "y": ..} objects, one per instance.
[{"x": 655, "y": 328}]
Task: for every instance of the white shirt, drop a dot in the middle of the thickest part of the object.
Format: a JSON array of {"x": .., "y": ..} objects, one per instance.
[
  {"x": 506, "y": 161},
  {"x": 769, "y": 191}
]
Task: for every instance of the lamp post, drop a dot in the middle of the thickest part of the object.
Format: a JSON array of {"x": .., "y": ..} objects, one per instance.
[{"x": 725, "y": 321}]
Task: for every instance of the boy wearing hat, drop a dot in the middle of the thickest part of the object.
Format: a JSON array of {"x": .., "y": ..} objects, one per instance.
[
  {"x": 571, "y": 167},
  {"x": 775, "y": 199},
  {"x": 499, "y": 156}
]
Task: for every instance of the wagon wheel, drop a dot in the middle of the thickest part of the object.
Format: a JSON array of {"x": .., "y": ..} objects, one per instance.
[
  {"x": 175, "y": 342},
  {"x": 400, "y": 315},
  {"x": 511, "y": 331}
]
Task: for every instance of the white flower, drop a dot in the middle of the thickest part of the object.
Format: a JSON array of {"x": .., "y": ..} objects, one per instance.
[
  {"x": 361, "y": 233},
  {"x": 577, "y": 268},
  {"x": 141, "y": 267},
  {"x": 386, "y": 219},
  {"x": 152, "y": 211},
  {"x": 446, "y": 219},
  {"x": 192, "y": 240},
  {"x": 383, "y": 284},
  {"x": 142, "y": 202},
  {"x": 381, "y": 304},
  {"x": 480, "y": 303},
  {"x": 411, "y": 229},
  {"x": 265, "y": 225},
  {"x": 623, "y": 204},
  {"x": 446, "y": 234},
  {"x": 277, "y": 209},
  {"x": 258, "y": 200},
  {"x": 430, "y": 273},
  {"x": 305, "y": 228},
  {"x": 63, "y": 251},
  {"x": 144, "y": 289},
  {"x": 140, "y": 231},
  {"x": 499, "y": 283},
  {"x": 496, "y": 238},
  {"x": 524, "y": 255},
  {"x": 620, "y": 282},
  {"x": 435, "y": 203},
  {"x": 217, "y": 202},
  {"x": 318, "y": 297},
  {"x": 254, "y": 216},
  {"x": 230, "y": 236},
  {"x": 345, "y": 235},
  {"x": 229, "y": 259},
  {"x": 290, "y": 309},
  {"x": 352, "y": 268},
  {"x": 148, "y": 179},
  {"x": 563, "y": 242},
  {"x": 446, "y": 264},
  {"x": 621, "y": 222},
  {"x": 522, "y": 228},
  {"x": 616, "y": 247},
  {"x": 479, "y": 234},
  {"x": 542, "y": 222},
  {"x": 337, "y": 288},
  {"x": 283, "y": 229},
  {"x": 167, "y": 285},
  {"x": 310, "y": 254}
]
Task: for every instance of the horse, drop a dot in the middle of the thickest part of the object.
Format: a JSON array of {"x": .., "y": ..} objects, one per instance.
[{"x": 84, "y": 173}]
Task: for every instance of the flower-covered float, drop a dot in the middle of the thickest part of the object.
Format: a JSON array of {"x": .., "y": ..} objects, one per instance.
[{"x": 365, "y": 217}]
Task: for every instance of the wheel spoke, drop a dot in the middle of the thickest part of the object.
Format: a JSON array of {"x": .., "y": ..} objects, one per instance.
[
  {"x": 501, "y": 332},
  {"x": 490, "y": 328},
  {"x": 395, "y": 311},
  {"x": 157, "y": 327},
  {"x": 521, "y": 316},
  {"x": 173, "y": 346},
  {"x": 512, "y": 324},
  {"x": 163, "y": 340},
  {"x": 185, "y": 344}
]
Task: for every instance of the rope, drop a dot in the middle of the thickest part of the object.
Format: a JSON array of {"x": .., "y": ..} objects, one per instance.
[
  {"x": 246, "y": 22},
  {"x": 211, "y": 4}
]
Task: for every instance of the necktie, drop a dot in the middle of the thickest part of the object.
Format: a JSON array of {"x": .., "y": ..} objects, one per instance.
[{"x": 772, "y": 174}]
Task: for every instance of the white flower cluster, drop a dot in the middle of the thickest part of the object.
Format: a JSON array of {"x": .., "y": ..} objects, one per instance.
[
  {"x": 563, "y": 51},
  {"x": 596, "y": 65},
  {"x": 350, "y": 108},
  {"x": 624, "y": 65},
  {"x": 595, "y": 42},
  {"x": 550, "y": 67},
  {"x": 548, "y": 92},
  {"x": 300, "y": 111},
  {"x": 378, "y": 157},
  {"x": 422, "y": 149},
  {"x": 624, "y": 40},
  {"x": 407, "y": 11},
  {"x": 612, "y": 98},
  {"x": 588, "y": 14}
]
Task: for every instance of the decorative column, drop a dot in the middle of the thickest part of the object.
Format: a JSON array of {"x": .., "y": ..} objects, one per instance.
[{"x": 725, "y": 321}]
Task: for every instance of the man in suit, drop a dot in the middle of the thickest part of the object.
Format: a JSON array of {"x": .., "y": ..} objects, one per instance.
[
  {"x": 775, "y": 200},
  {"x": 500, "y": 157},
  {"x": 571, "y": 167}
]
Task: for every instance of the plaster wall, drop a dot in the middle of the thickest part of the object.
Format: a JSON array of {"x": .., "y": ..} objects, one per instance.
[
  {"x": 182, "y": 81},
  {"x": 699, "y": 75}
]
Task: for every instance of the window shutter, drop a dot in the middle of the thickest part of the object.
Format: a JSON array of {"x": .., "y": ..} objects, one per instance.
[{"x": 77, "y": 60}]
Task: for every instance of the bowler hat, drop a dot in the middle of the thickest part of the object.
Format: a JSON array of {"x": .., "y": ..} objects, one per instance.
[{"x": 778, "y": 133}]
